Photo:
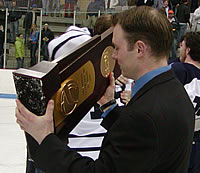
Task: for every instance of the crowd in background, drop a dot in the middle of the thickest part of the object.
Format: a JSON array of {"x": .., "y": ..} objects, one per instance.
[{"x": 177, "y": 11}]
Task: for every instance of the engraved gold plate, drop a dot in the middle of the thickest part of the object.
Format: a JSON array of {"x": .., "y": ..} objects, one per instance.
[
  {"x": 107, "y": 62},
  {"x": 74, "y": 91}
]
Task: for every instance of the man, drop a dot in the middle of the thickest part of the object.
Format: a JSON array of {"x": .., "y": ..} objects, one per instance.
[
  {"x": 189, "y": 75},
  {"x": 14, "y": 16},
  {"x": 47, "y": 36},
  {"x": 102, "y": 23},
  {"x": 2, "y": 13},
  {"x": 45, "y": 6},
  {"x": 183, "y": 16},
  {"x": 175, "y": 25},
  {"x": 196, "y": 18},
  {"x": 70, "y": 6},
  {"x": 72, "y": 38},
  {"x": 152, "y": 133},
  {"x": 92, "y": 13},
  {"x": 56, "y": 7}
]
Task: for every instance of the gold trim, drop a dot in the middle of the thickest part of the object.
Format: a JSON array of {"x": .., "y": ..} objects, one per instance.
[{"x": 74, "y": 91}]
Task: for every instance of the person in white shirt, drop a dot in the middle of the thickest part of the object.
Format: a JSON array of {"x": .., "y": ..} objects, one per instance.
[
  {"x": 73, "y": 37},
  {"x": 196, "y": 19}
]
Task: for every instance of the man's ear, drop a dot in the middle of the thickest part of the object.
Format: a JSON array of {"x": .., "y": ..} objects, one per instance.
[
  {"x": 187, "y": 51},
  {"x": 141, "y": 47}
]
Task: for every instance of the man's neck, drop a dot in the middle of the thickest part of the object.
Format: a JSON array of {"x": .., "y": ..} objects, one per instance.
[
  {"x": 189, "y": 60},
  {"x": 151, "y": 65}
]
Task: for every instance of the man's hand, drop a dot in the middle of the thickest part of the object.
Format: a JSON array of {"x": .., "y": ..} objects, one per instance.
[
  {"x": 37, "y": 126},
  {"x": 125, "y": 96},
  {"x": 109, "y": 94}
]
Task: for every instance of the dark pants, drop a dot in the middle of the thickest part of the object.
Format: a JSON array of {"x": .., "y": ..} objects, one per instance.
[
  {"x": 20, "y": 63},
  {"x": 1, "y": 61},
  {"x": 33, "y": 53},
  {"x": 182, "y": 30},
  {"x": 14, "y": 30},
  {"x": 45, "y": 51},
  {"x": 194, "y": 166},
  {"x": 26, "y": 32}
]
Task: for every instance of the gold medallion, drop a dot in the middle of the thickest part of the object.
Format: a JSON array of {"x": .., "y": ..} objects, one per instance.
[{"x": 107, "y": 62}]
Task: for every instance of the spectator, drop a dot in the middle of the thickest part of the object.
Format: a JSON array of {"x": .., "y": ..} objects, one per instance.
[
  {"x": 123, "y": 3},
  {"x": 45, "y": 7},
  {"x": 175, "y": 4},
  {"x": 165, "y": 7},
  {"x": 92, "y": 13},
  {"x": 110, "y": 5},
  {"x": 183, "y": 16},
  {"x": 27, "y": 24},
  {"x": 158, "y": 4},
  {"x": 69, "y": 45},
  {"x": 8, "y": 3},
  {"x": 30, "y": 17},
  {"x": 1, "y": 46},
  {"x": 19, "y": 50},
  {"x": 70, "y": 6},
  {"x": 193, "y": 4},
  {"x": 196, "y": 18},
  {"x": 34, "y": 36},
  {"x": 13, "y": 18},
  {"x": 188, "y": 74},
  {"x": 47, "y": 36},
  {"x": 2, "y": 13},
  {"x": 35, "y": 14},
  {"x": 102, "y": 23},
  {"x": 56, "y": 7},
  {"x": 101, "y": 4},
  {"x": 37, "y": 3},
  {"x": 175, "y": 24}
]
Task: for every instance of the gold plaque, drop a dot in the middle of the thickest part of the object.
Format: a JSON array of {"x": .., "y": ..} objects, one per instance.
[
  {"x": 107, "y": 62},
  {"x": 74, "y": 91}
]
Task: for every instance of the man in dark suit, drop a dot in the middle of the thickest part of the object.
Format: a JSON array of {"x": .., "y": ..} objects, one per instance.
[{"x": 153, "y": 133}]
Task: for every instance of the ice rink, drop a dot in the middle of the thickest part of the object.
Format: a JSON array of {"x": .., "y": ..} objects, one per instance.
[{"x": 12, "y": 145}]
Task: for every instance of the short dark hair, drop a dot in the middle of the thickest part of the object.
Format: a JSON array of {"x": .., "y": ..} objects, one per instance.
[
  {"x": 149, "y": 25},
  {"x": 102, "y": 23},
  {"x": 18, "y": 35},
  {"x": 192, "y": 41}
]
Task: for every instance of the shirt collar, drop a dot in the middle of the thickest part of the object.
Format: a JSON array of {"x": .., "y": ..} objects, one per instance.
[{"x": 139, "y": 83}]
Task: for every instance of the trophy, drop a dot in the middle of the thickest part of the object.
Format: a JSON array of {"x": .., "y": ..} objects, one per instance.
[{"x": 75, "y": 82}]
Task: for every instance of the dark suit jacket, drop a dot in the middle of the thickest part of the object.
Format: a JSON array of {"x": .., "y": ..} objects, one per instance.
[{"x": 153, "y": 134}]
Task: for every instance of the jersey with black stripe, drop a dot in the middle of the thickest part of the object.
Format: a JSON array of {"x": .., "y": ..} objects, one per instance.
[
  {"x": 189, "y": 76},
  {"x": 87, "y": 136}
]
